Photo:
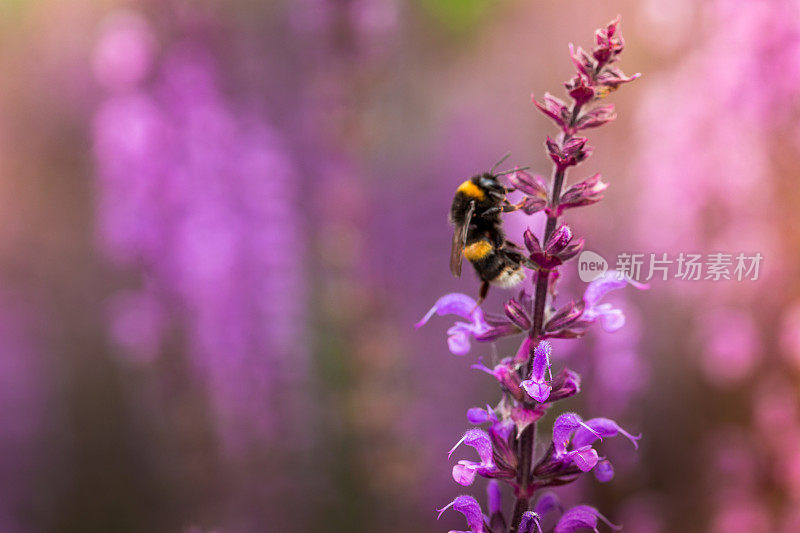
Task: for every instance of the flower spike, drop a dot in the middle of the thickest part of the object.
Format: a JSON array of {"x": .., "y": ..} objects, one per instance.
[{"x": 530, "y": 387}]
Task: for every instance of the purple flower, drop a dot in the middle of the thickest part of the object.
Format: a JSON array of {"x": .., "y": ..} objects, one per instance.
[
  {"x": 573, "y": 319},
  {"x": 568, "y": 451},
  {"x": 558, "y": 249},
  {"x": 536, "y": 387},
  {"x": 563, "y": 428},
  {"x": 462, "y": 305},
  {"x": 609, "y": 42},
  {"x": 567, "y": 383},
  {"x": 563, "y": 322},
  {"x": 476, "y": 415},
  {"x": 560, "y": 460},
  {"x": 595, "y": 117},
  {"x": 580, "y": 517},
  {"x": 579, "y": 89},
  {"x": 570, "y": 154},
  {"x": 610, "y": 319},
  {"x": 517, "y": 314},
  {"x": 556, "y": 109},
  {"x": 464, "y": 472},
  {"x": 611, "y": 78},
  {"x": 597, "y": 428},
  {"x": 468, "y": 506},
  {"x": 587, "y": 192},
  {"x": 534, "y": 189}
]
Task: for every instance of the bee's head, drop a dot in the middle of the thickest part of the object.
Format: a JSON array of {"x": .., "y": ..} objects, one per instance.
[{"x": 491, "y": 185}]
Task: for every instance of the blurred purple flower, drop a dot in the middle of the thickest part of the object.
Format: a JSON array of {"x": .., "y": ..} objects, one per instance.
[
  {"x": 124, "y": 52},
  {"x": 458, "y": 335},
  {"x": 610, "y": 319},
  {"x": 199, "y": 199},
  {"x": 730, "y": 347}
]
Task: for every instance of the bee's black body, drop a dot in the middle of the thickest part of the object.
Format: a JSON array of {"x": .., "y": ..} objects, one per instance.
[{"x": 478, "y": 233}]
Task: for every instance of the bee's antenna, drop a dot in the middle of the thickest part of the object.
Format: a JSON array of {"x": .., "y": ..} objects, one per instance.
[
  {"x": 508, "y": 154},
  {"x": 511, "y": 171}
]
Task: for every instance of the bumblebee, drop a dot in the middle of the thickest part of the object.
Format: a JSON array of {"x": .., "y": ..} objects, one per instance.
[{"x": 478, "y": 232}]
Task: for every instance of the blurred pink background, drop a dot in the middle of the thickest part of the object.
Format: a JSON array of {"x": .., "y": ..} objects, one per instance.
[{"x": 221, "y": 219}]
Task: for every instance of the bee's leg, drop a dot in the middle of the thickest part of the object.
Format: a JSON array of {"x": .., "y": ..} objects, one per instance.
[
  {"x": 509, "y": 207},
  {"x": 493, "y": 210},
  {"x": 484, "y": 291}
]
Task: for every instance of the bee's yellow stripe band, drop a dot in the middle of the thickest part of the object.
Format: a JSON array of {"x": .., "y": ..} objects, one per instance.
[
  {"x": 477, "y": 250},
  {"x": 471, "y": 190}
]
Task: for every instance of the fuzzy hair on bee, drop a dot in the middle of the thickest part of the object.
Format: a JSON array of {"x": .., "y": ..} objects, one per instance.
[{"x": 478, "y": 232}]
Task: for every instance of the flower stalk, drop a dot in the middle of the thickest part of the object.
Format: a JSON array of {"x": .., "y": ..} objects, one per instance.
[
  {"x": 507, "y": 448},
  {"x": 527, "y": 443}
]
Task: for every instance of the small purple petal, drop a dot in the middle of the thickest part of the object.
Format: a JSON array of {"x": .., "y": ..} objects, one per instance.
[
  {"x": 611, "y": 319},
  {"x": 541, "y": 360},
  {"x": 524, "y": 351},
  {"x": 567, "y": 383},
  {"x": 546, "y": 503},
  {"x": 476, "y": 415},
  {"x": 527, "y": 184},
  {"x": 478, "y": 439},
  {"x": 523, "y": 416},
  {"x": 599, "y": 428},
  {"x": 604, "y": 471},
  {"x": 538, "y": 391},
  {"x": 459, "y": 335},
  {"x": 611, "y": 280},
  {"x": 494, "y": 497},
  {"x": 502, "y": 430},
  {"x": 531, "y": 241},
  {"x": 468, "y": 506},
  {"x": 458, "y": 338},
  {"x": 516, "y": 313},
  {"x": 558, "y": 240},
  {"x": 454, "y": 303},
  {"x": 584, "y": 458},
  {"x": 529, "y": 520},
  {"x": 563, "y": 428},
  {"x": 464, "y": 472},
  {"x": 581, "y": 516}
]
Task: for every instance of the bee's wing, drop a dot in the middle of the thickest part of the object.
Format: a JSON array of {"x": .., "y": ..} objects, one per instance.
[{"x": 459, "y": 240}]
